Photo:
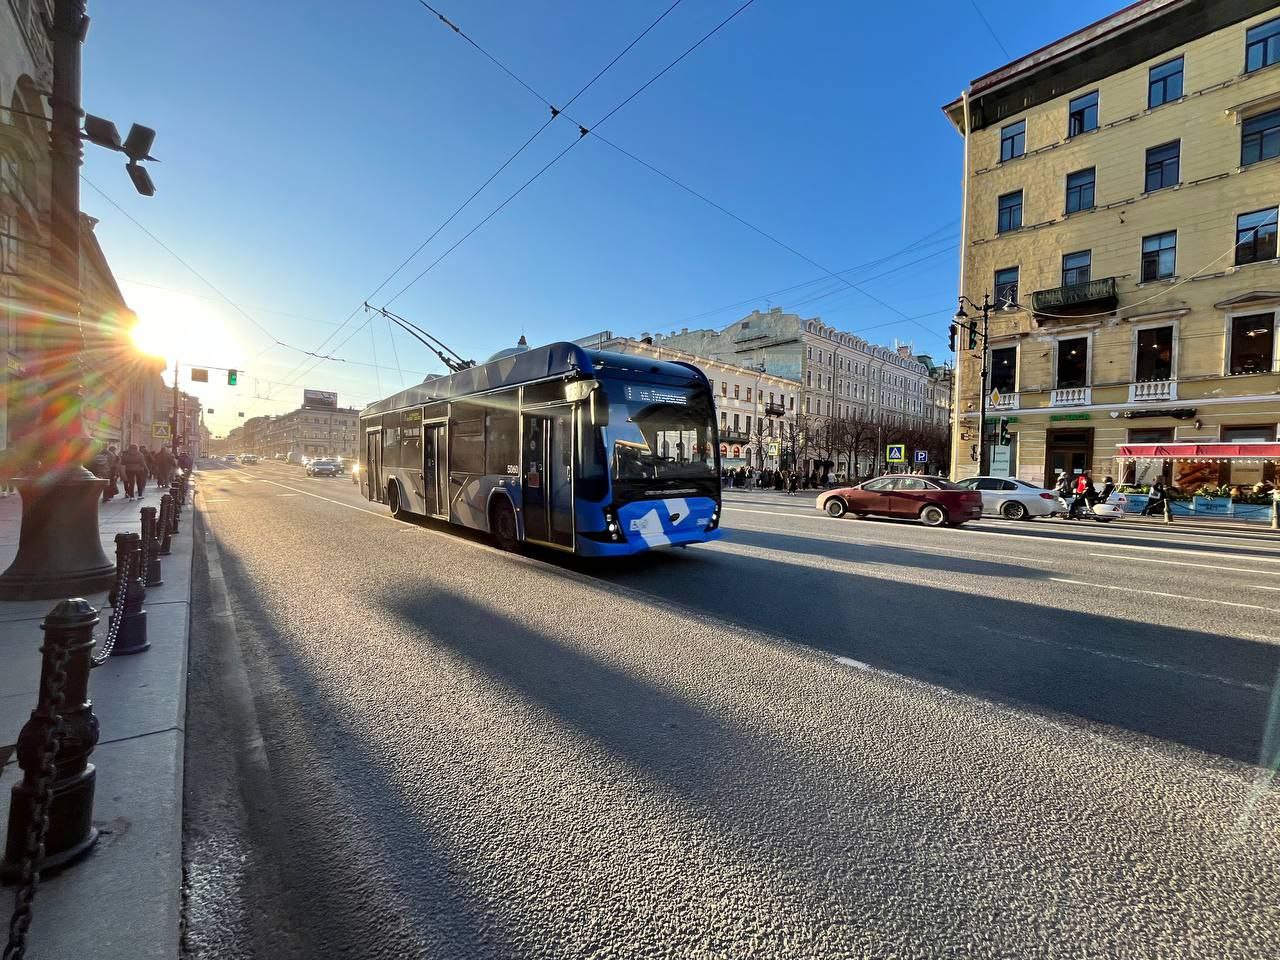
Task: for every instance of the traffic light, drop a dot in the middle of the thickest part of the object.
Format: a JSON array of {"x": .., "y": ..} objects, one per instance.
[
  {"x": 1005, "y": 437},
  {"x": 231, "y": 378},
  {"x": 973, "y": 334},
  {"x": 951, "y": 337}
]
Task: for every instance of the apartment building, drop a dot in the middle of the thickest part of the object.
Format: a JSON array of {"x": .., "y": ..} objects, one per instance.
[{"x": 1121, "y": 191}]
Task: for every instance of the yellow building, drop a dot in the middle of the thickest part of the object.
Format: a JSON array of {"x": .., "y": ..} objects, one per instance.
[{"x": 1121, "y": 191}]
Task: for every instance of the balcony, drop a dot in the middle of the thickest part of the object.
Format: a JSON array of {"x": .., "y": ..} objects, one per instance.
[
  {"x": 1154, "y": 390},
  {"x": 729, "y": 435},
  {"x": 1071, "y": 397},
  {"x": 1073, "y": 299},
  {"x": 1007, "y": 401},
  {"x": 774, "y": 410}
]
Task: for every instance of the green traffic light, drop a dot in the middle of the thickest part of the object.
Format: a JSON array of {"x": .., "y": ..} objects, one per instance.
[{"x": 231, "y": 378}]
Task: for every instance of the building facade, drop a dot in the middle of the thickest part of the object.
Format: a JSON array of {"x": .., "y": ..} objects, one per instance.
[
  {"x": 855, "y": 397},
  {"x": 756, "y": 410},
  {"x": 1121, "y": 191}
]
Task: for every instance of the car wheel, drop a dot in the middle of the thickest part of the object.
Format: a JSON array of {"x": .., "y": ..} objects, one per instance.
[
  {"x": 1013, "y": 510},
  {"x": 933, "y": 515},
  {"x": 393, "y": 501},
  {"x": 502, "y": 523},
  {"x": 836, "y": 507}
]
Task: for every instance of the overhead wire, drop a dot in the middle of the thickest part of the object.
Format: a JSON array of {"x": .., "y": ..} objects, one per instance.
[{"x": 496, "y": 173}]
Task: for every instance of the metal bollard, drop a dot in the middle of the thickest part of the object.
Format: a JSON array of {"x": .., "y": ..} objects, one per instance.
[
  {"x": 128, "y": 609},
  {"x": 1275, "y": 509},
  {"x": 1168, "y": 511},
  {"x": 166, "y": 524},
  {"x": 55, "y": 795},
  {"x": 151, "y": 547}
]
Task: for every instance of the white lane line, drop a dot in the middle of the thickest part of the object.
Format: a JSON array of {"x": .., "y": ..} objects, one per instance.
[
  {"x": 286, "y": 494},
  {"x": 1185, "y": 563},
  {"x": 1158, "y": 593},
  {"x": 1137, "y": 661},
  {"x": 856, "y": 664},
  {"x": 1052, "y": 540},
  {"x": 217, "y": 499}
]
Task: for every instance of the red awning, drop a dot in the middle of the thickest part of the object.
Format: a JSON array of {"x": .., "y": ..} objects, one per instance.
[{"x": 1198, "y": 451}]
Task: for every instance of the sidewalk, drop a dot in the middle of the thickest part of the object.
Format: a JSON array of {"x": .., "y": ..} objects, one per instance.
[{"x": 122, "y": 900}]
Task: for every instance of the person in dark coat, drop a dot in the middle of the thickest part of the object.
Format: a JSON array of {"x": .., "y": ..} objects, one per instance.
[
  {"x": 1108, "y": 488},
  {"x": 1155, "y": 499},
  {"x": 133, "y": 466},
  {"x": 793, "y": 483}
]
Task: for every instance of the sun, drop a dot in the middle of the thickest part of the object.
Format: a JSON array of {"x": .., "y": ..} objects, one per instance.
[{"x": 177, "y": 326}]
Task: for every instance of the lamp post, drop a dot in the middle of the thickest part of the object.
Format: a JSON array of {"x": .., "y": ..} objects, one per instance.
[{"x": 978, "y": 336}]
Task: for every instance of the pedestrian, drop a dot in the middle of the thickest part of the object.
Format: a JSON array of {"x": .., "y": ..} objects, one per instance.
[
  {"x": 1108, "y": 488},
  {"x": 184, "y": 461},
  {"x": 1063, "y": 485},
  {"x": 151, "y": 461},
  {"x": 133, "y": 468},
  {"x": 1085, "y": 494},
  {"x": 792, "y": 483},
  {"x": 166, "y": 466},
  {"x": 1155, "y": 499},
  {"x": 779, "y": 481},
  {"x": 112, "y": 473}
]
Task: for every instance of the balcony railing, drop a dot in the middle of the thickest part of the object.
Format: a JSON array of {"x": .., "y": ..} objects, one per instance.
[
  {"x": 1154, "y": 390},
  {"x": 1071, "y": 397},
  {"x": 1007, "y": 401},
  {"x": 729, "y": 435},
  {"x": 774, "y": 410},
  {"x": 1100, "y": 294}
]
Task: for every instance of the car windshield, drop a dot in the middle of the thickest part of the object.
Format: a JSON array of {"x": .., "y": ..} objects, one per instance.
[{"x": 661, "y": 434}]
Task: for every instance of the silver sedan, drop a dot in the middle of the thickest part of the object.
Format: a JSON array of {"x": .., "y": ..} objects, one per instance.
[{"x": 1015, "y": 499}]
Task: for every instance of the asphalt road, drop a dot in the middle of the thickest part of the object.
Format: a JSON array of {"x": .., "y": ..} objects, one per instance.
[{"x": 815, "y": 739}]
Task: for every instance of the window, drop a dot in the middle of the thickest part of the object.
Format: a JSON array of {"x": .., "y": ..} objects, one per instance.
[
  {"x": 724, "y": 388},
  {"x": 1004, "y": 369},
  {"x": 466, "y": 439},
  {"x": 503, "y": 433},
  {"x": 1155, "y": 355},
  {"x": 737, "y": 422},
  {"x": 1076, "y": 267},
  {"x": 1073, "y": 363},
  {"x": 1013, "y": 140},
  {"x": 748, "y": 394},
  {"x": 793, "y": 403},
  {"x": 1152, "y": 435},
  {"x": 806, "y": 404},
  {"x": 1159, "y": 253},
  {"x": 1262, "y": 433},
  {"x": 1262, "y": 45},
  {"x": 1256, "y": 236},
  {"x": 736, "y": 389},
  {"x": 1252, "y": 343},
  {"x": 748, "y": 423},
  {"x": 1007, "y": 285},
  {"x": 1162, "y": 166},
  {"x": 1164, "y": 83},
  {"x": 1082, "y": 114},
  {"x": 1010, "y": 212},
  {"x": 1080, "y": 190},
  {"x": 1261, "y": 138},
  {"x": 724, "y": 418}
]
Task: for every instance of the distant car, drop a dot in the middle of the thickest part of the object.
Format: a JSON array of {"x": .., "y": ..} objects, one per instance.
[
  {"x": 231, "y": 458},
  {"x": 321, "y": 467},
  {"x": 278, "y": 456},
  {"x": 248, "y": 458},
  {"x": 932, "y": 501},
  {"x": 1015, "y": 499}
]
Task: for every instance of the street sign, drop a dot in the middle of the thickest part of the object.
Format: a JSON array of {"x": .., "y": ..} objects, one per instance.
[
  {"x": 922, "y": 456},
  {"x": 160, "y": 429},
  {"x": 199, "y": 375},
  {"x": 896, "y": 453},
  {"x": 995, "y": 398}
]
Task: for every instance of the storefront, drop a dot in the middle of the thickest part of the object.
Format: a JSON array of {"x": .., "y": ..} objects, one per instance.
[{"x": 1193, "y": 466}]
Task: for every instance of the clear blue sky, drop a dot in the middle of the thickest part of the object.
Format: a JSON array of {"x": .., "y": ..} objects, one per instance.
[{"x": 307, "y": 148}]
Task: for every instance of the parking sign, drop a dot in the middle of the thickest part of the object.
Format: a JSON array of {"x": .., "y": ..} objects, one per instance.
[
  {"x": 896, "y": 453},
  {"x": 922, "y": 456}
]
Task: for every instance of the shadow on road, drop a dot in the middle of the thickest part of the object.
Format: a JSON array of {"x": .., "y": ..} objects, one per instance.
[{"x": 1141, "y": 677}]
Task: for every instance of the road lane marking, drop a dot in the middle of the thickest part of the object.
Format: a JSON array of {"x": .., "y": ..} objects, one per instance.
[
  {"x": 1185, "y": 563},
  {"x": 217, "y": 499},
  {"x": 286, "y": 494},
  {"x": 1158, "y": 593},
  {"x": 1137, "y": 661},
  {"x": 856, "y": 664},
  {"x": 1051, "y": 540}
]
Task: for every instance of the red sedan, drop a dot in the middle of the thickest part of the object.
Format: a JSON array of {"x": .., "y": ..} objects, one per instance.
[{"x": 934, "y": 502}]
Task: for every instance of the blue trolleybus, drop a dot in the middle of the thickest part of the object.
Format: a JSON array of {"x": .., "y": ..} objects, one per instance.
[{"x": 598, "y": 453}]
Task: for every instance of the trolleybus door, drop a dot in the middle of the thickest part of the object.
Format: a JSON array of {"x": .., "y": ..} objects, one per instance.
[
  {"x": 548, "y": 476},
  {"x": 373, "y": 465},
  {"x": 434, "y": 473}
]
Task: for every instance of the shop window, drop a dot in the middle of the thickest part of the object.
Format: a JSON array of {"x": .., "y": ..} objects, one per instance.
[
  {"x": 1253, "y": 343},
  {"x": 1155, "y": 354}
]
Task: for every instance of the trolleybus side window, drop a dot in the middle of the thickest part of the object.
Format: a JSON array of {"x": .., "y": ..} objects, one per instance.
[{"x": 466, "y": 439}]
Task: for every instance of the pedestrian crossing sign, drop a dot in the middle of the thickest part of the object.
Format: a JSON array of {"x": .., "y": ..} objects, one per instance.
[
  {"x": 897, "y": 453},
  {"x": 160, "y": 429}
]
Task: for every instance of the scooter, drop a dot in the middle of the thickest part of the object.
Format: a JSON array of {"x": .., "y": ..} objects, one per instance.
[{"x": 1101, "y": 512}]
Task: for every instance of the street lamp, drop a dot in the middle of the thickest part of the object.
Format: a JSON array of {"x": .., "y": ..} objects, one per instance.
[{"x": 977, "y": 336}]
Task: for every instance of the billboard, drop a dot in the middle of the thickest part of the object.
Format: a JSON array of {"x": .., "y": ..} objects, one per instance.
[{"x": 319, "y": 400}]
